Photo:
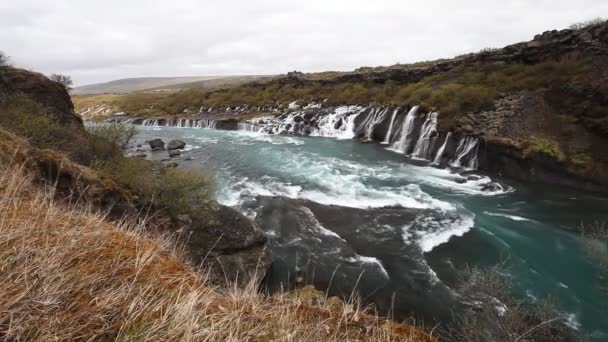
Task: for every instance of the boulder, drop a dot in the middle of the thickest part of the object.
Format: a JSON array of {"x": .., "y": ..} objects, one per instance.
[
  {"x": 174, "y": 153},
  {"x": 473, "y": 177},
  {"x": 156, "y": 144},
  {"x": 298, "y": 118},
  {"x": 492, "y": 187},
  {"x": 230, "y": 244},
  {"x": 176, "y": 145}
]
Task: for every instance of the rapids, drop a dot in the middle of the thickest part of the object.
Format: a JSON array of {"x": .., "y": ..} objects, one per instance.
[{"x": 339, "y": 214}]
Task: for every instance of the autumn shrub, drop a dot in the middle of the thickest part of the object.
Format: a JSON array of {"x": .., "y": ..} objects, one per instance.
[
  {"x": 181, "y": 191},
  {"x": 496, "y": 314},
  {"x": 544, "y": 146},
  {"x": 23, "y": 116},
  {"x": 113, "y": 132},
  {"x": 587, "y": 23}
]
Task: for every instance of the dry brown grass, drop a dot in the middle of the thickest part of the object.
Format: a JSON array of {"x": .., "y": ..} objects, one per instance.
[{"x": 68, "y": 274}]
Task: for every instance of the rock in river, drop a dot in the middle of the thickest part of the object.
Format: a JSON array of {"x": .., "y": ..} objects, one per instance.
[
  {"x": 176, "y": 145},
  {"x": 156, "y": 144}
]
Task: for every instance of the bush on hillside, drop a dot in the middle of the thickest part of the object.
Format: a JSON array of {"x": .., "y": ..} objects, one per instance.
[
  {"x": 587, "y": 23},
  {"x": 115, "y": 133},
  {"x": 178, "y": 190},
  {"x": 498, "y": 316},
  {"x": 596, "y": 246},
  {"x": 25, "y": 117},
  {"x": 540, "y": 145},
  {"x": 64, "y": 80},
  {"x": 4, "y": 60}
]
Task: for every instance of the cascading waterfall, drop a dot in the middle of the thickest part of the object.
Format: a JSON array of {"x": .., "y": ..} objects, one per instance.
[
  {"x": 342, "y": 123},
  {"x": 441, "y": 150},
  {"x": 150, "y": 122},
  {"x": 387, "y": 138},
  {"x": 339, "y": 124},
  {"x": 427, "y": 133},
  {"x": 406, "y": 132},
  {"x": 375, "y": 117},
  {"x": 466, "y": 153},
  {"x": 180, "y": 123},
  {"x": 249, "y": 127}
]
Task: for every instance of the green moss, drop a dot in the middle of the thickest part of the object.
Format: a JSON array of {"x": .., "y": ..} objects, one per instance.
[
  {"x": 545, "y": 146},
  {"x": 582, "y": 160}
]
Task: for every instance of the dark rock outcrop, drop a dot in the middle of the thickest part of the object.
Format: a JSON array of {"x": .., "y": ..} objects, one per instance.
[
  {"x": 176, "y": 144},
  {"x": 341, "y": 250},
  {"x": 229, "y": 243},
  {"x": 51, "y": 95},
  {"x": 156, "y": 144}
]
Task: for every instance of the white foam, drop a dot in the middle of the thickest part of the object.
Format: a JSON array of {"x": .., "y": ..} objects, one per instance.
[
  {"x": 571, "y": 320},
  {"x": 511, "y": 217},
  {"x": 370, "y": 260},
  {"x": 440, "y": 231},
  {"x": 313, "y": 223}
]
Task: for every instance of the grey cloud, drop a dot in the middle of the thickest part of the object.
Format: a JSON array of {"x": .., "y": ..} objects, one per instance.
[{"x": 98, "y": 41}]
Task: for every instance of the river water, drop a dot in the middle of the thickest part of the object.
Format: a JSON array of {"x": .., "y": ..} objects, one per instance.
[{"x": 453, "y": 224}]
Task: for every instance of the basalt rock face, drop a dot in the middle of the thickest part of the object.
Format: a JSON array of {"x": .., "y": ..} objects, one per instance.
[
  {"x": 229, "y": 244},
  {"x": 509, "y": 161},
  {"x": 548, "y": 45},
  {"x": 51, "y": 95},
  {"x": 319, "y": 245}
]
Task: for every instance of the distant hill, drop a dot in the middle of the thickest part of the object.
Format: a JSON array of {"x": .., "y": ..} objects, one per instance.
[{"x": 128, "y": 85}]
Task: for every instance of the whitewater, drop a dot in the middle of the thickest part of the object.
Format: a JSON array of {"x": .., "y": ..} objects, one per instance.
[{"x": 401, "y": 219}]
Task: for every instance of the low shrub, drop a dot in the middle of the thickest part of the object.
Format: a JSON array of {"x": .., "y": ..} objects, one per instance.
[
  {"x": 545, "y": 146},
  {"x": 180, "y": 191},
  {"x": 115, "y": 133},
  {"x": 595, "y": 244},
  {"x": 23, "y": 116},
  {"x": 497, "y": 315},
  {"x": 587, "y": 23},
  {"x": 582, "y": 160}
]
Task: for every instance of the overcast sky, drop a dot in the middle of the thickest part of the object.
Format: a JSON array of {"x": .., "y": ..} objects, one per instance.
[{"x": 98, "y": 41}]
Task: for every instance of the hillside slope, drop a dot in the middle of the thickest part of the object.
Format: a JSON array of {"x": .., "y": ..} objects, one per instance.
[
  {"x": 68, "y": 274},
  {"x": 129, "y": 85}
]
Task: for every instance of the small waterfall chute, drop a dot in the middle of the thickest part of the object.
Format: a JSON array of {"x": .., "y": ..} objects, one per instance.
[
  {"x": 150, "y": 123},
  {"x": 427, "y": 133},
  {"x": 374, "y": 118},
  {"x": 441, "y": 150},
  {"x": 466, "y": 153},
  {"x": 387, "y": 138},
  {"x": 409, "y": 123}
]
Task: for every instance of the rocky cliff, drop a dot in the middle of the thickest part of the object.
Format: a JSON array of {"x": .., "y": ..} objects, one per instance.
[{"x": 226, "y": 243}]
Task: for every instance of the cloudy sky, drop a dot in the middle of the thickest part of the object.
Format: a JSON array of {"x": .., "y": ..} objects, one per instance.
[{"x": 98, "y": 41}]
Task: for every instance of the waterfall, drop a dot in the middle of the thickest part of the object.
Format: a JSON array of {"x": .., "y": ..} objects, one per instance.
[
  {"x": 150, "y": 122},
  {"x": 427, "y": 132},
  {"x": 387, "y": 138},
  {"x": 249, "y": 127},
  {"x": 408, "y": 127},
  {"x": 441, "y": 150},
  {"x": 375, "y": 117},
  {"x": 467, "y": 150},
  {"x": 339, "y": 124}
]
